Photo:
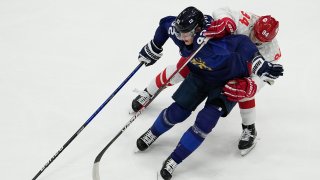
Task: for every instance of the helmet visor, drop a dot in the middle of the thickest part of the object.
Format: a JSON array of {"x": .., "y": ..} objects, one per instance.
[{"x": 184, "y": 35}]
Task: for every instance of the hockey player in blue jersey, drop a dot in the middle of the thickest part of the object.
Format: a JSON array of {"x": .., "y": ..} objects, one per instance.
[
  {"x": 151, "y": 52},
  {"x": 217, "y": 62}
]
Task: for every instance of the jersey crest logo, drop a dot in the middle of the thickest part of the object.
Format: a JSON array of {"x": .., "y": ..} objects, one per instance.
[{"x": 201, "y": 64}]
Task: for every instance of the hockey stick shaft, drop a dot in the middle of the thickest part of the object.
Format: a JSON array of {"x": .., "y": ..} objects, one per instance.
[
  {"x": 95, "y": 172},
  {"x": 88, "y": 121}
]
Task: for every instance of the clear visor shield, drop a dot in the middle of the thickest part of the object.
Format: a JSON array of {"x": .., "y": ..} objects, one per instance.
[{"x": 186, "y": 35}]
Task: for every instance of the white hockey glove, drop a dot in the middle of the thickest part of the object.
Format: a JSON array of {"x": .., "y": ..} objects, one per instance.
[{"x": 150, "y": 53}]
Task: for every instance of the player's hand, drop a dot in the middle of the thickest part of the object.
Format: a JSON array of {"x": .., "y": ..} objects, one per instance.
[
  {"x": 265, "y": 70},
  {"x": 220, "y": 28},
  {"x": 150, "y": 53},
  {"x": 240, "y": 88}
]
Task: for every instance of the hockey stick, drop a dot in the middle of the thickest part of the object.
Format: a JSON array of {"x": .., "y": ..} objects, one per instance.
[
  {"x": 95, "y": 170},
  {"x": 88, "y": 121}
]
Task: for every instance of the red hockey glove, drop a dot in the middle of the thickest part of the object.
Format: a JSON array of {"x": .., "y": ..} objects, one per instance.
[
  {"x": 237, "y": 89},
  {"x": 220, "y": 28}
]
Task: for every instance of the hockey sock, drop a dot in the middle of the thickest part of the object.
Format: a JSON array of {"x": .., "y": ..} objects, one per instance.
[
  {"x": 195, "y": 135},
  {"x": 248, "y": 112},
  {"x": 163, "y": 76},
  {"x": 188, "y": 143},
  {"x": 168, "y": 118}
]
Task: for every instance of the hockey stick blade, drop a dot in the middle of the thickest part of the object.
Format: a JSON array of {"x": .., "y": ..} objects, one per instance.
[
  {"x": 98, "y": 158},
  {"x": 95, "y": 171}
]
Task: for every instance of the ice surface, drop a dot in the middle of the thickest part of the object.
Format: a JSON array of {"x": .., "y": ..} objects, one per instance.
[{"x": 59, "y": 60}]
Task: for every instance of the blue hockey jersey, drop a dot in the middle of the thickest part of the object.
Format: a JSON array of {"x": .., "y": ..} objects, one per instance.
[{"x": 224, "y": 59}]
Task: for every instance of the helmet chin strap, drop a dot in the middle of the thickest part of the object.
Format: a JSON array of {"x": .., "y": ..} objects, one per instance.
[{"x": 198, "y": 29}]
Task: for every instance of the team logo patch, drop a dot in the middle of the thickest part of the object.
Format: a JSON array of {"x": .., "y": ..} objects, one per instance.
[{"x": 201, "y": 64}]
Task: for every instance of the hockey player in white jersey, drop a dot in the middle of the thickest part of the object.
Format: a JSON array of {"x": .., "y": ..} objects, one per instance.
[{"x": 262, "y": 31}]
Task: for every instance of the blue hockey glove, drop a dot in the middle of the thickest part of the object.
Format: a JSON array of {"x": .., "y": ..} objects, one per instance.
[
  {"x": 266, "y": 70},
  {"x": 150, "y": 53}
]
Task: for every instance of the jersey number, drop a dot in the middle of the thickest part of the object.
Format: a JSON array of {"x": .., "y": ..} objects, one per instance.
[
  {"x": 277, "y": 56},
  {"x": 245, "y": 19},
  {"x": 171, "y": 31}
]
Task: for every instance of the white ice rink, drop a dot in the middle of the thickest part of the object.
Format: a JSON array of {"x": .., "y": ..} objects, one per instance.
[{"x": 61, "y": 59}]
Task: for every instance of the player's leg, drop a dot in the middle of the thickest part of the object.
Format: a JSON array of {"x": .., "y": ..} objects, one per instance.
[
  {"x": 206, "y": 119},
  {"x": 248, "y": 137},
  {"x": 168, "y": 117},
  {"x": 186, "y": 99},
  {"x": 216, "y": 106},
  {"x": 159, "y": 81}
]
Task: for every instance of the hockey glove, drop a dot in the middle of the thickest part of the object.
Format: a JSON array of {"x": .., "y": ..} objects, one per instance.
[
  {"x": 237, "y": 89},
  {"x": 150, "y": 53},
  {"x": 267, "y": 71},
  {"x": 220, "y": 28}
]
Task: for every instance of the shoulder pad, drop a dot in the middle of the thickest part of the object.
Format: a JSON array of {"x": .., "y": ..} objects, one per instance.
[{"x": 168, "y": 19}]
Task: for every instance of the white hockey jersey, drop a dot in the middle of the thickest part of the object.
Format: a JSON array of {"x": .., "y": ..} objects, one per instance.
[{"x": 245, "y": 22}]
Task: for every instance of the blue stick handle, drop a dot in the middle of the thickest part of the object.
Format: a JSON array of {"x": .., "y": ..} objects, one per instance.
[
  {"x": 88, "y": 121},
  {"x": 113, "y": 94}
]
